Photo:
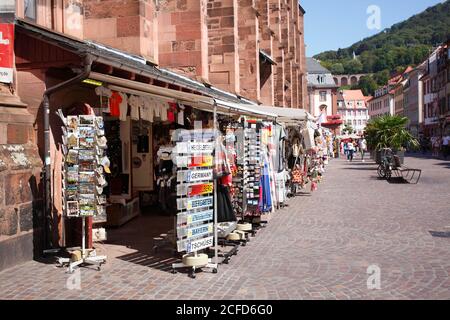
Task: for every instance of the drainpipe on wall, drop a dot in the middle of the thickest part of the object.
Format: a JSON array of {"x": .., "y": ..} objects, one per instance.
[{"x": 47, "y": 164}]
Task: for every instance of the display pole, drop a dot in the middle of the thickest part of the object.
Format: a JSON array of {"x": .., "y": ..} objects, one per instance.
[
  {"x": 83, "y": 237},
  {"x": 216, "y": 254}
]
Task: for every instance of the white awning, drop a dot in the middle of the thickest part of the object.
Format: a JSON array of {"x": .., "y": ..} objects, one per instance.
[
  {"x": 282, "y": 114},
  {"x": 197, "y": 101}
]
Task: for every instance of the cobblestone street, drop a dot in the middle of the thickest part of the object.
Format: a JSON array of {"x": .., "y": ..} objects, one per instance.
[{"x": 317, "y": 248}]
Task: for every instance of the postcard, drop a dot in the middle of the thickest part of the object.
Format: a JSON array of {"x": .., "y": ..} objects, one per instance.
[
  {"x": 86, "y": 155},
  {"x": 86, "y": 142},
  {"x": 72, "y": 140},
  {"x": 72, "y": 122},
  {"x": 86, "y": 120},
  {"x": 87, "y": 177},
  {"x": 72, "y": 157},
  {"x": 73, "y": 208}
]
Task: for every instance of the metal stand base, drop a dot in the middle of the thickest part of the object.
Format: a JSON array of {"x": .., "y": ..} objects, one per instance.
[
  {"x": 89, "y": 260},
  {"x": 234, "y": 250},
  {"x": 210, "y": 265}
]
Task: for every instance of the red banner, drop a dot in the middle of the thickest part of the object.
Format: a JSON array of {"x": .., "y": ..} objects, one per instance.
[{"x": 6, "y": 52}]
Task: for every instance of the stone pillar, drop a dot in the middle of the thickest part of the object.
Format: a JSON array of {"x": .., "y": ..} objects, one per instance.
[
  {"x": 183, "y": 37},
  {"x": 248, "y": 49},
  {"x": 127, "y": 25},
  {"x": 286, "y": 43},
  {"x": 21, "y": 204},
  {"x": 266, "y": 44},
  {"x": 223, "y": 57},
  {"x": 302, "y": 82},
  {"x": 278, "y": 51}
]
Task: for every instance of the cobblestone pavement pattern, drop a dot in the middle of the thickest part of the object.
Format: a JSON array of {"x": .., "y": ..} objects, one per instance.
[{"x": 318, "y": 248}]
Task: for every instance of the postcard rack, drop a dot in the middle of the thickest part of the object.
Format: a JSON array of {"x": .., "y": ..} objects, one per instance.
[{"x": 83, "y": 178}]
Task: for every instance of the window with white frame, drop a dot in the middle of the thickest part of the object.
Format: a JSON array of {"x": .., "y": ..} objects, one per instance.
[{"x": 323, "y": 96}]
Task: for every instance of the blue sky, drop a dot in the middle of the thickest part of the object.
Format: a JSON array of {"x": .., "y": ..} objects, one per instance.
[{"x": 331, "y": 24}]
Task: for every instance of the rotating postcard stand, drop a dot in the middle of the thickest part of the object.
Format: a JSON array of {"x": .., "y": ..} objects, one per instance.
[
  {"x": 196, "y": 200},
  {"x": 83, "y": 180}
]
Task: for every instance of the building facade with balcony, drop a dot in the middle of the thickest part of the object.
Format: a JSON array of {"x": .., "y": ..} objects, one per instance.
[{"x": 352, "y": 107}]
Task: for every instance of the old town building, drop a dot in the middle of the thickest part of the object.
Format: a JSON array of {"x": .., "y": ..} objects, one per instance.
[{"x": 352, "y": 106}]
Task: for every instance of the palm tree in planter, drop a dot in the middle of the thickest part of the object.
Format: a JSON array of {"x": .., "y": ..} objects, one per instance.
[{"x": 389, "y": 132}]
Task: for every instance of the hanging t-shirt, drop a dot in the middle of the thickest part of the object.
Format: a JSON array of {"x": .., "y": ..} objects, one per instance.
[
  {"x": 135, "y": 103},
  {"x": 171, "y": 111},
  {"x": 180, "y": 119},
  {"x": 147, "y": 109},
  {"x": 114, "y": 103},
  {"x": 123, "y": 106}
]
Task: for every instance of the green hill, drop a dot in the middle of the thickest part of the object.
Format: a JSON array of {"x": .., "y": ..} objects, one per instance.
[{"x": 405, "y": 43}]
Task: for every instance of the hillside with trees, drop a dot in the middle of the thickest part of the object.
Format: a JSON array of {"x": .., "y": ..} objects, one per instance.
[{"x": 404, "y": 44}]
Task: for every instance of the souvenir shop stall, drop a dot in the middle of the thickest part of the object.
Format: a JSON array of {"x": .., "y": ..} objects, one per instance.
[{"x": 166, "y": 146}]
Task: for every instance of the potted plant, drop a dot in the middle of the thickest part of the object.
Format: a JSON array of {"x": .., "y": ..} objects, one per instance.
[{"x": 389, "y": 132}]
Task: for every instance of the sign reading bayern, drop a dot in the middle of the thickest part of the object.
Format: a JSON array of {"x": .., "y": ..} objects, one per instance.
[{"x": 6, "y": 52}]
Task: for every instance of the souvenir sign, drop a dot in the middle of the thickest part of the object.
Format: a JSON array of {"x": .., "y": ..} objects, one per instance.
[
  {"x": 192, "y": 218},
  {"x": 196, "y": 245},
  {"x": 196, "y": 161},
  {"x": 199, "y": 175},
  {"x": 200, "y": 147},
  {"x": 199, "y": 203},
  {"x": 195, "y": 232},
  {"x": 194, "y": 190}
]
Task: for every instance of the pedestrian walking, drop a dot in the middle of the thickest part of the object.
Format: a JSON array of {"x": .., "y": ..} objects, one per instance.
[
  {"x": 436, "y": 145},
  {"x": 445, "y": 146},
  {"x": 362, "y": 148},
  {"x": 350, "y": 150},
  {"x": 345, "y": 148}
]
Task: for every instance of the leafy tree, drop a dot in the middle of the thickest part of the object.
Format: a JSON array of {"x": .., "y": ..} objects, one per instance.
[
  {"x": 382, "y": 77},
  {"x": 367, "y": 84},
  {"x": 352, "y": 66},
  {"x": 337, "y": 68}
]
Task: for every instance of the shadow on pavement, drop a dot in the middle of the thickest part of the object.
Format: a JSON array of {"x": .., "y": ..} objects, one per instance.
[
  {"x": 135, "y": 241},
  {"x": 440, "y": 234}
]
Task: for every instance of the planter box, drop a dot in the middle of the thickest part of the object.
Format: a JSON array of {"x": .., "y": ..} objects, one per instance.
[{"x": 379, "y": 154}]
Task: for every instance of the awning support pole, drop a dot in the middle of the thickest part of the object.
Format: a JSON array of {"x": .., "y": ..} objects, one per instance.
[
  {"x": 47, "y": 157},
  {"x": 216, "y": 257}
]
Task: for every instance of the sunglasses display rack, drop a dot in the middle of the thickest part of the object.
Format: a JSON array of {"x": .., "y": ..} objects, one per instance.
[
  {"x": 83, "y": 178},
  {"x": 195, "y": 227},
  {"x": 251, "y": 168}
]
